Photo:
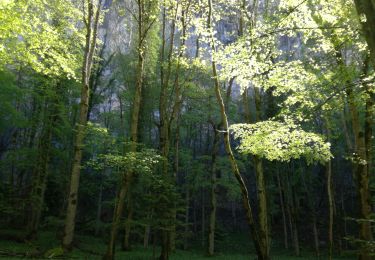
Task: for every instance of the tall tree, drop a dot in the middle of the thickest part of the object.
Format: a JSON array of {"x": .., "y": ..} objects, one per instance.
[
  {"x": 366, "y": 12},
  {"x": 260, "y": 249},
  {"x": 145, "y": 21},
  {"x": 91, "y": 22}
]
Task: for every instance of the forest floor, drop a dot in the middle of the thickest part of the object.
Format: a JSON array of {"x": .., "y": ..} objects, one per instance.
[{"x": 89, "y": 248}]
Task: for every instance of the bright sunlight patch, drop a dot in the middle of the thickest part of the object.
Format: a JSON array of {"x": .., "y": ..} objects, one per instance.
[{"x": 279, "y": 141}]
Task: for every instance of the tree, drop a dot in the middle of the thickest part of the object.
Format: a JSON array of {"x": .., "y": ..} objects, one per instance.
[
  {"x": 92, "y": 23},
  {"x": 260, "y": 249},
  {"x": 366, "y": 13},
  {"x": 145, "y": 20}
]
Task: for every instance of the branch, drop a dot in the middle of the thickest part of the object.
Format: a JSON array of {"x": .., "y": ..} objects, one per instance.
[
  {"x": 291, "y": 11},
  {"x": 132, "y": 14},
  {"x": 147, "y": 29},
  {"x": 300, "y": 28}
]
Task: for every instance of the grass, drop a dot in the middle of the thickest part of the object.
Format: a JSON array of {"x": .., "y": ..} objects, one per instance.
[{"x": 233, "y": 247}]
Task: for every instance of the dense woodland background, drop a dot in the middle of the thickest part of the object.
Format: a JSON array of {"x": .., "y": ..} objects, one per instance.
[{"x": 138, "y": 129}]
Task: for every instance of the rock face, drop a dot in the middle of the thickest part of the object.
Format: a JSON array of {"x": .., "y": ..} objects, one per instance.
[{"x": 119, "y": 31}]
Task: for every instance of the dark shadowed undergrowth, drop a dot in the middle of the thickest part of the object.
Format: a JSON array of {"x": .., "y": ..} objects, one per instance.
[{"x": 237, "y": 247}]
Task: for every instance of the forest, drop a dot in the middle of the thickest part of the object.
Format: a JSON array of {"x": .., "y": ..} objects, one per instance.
[{"x": 187, "y": 129}]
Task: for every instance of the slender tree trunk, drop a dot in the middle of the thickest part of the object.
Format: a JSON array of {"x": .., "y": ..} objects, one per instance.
[
  {"x": 283, "y": 211},
  {"x": 348, "y": 140},
  {"x": 176, "y": 115},
  {"x": 262, "y": 197},
  {"x": 195, "y": 226},
  {"x": 175, "y": 177},
  {"x": 258, "y": 165},
  {"x": 128, "y": 178},
  {"x": 203, "y": 215},
  {"x": 214, "y": 153},
  {"x": 119, "y": 207},
  {"x": 212, "y": 224},
  {"x": 246, "y": 106},
  {"x": 146, "y": 236},
  {"x": 369, "y": 122},
  {"x": 234, "y": 215},
  {"x": 316, "y": 236},
  {"x": 187, "y": 212},
  {"x": 261, "y": 252},
  {"x": 311, "y": 206},
  {"x": 330, "y": 193},
  {"x": 39, "y": 182},
  {"x": 363, "y": 177},
  {"x": 295, "y": 234},
  {"x": 289, "y": 213},
  {"x": 330, "y": 203},
  {"x": 166, "y": 120},
  {"x": 343, "y": 216},
  {"x": 92, "y": 24},
  {"x": 295, "y": 238},
  {"x": 360, "y": 160},
  {"x": 292, "y": 211},
  {"x": 290, "y": 221},
  {"x": 128, "y": 225},
  {"x": 99, "y": 210},
  {"x": 41, "y": 172}
]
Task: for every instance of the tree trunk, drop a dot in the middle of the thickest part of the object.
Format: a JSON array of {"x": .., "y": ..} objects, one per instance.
[
  {"x": 367, "y": 8},
  {"x": 330, "y": 203},
  {"x": 203, "y": 215},
  {"x": 187, "y": 218},
  {"x": 128, "y": 178},
  {"x": 166, "y": 120},
  {"x": 263, "y": 217},
  {"x": 360, "y": 160},
  {"x": 126, "y": 245},
  {"x": 311, "y": 207},
  {"x": 316, "y": 236},
  {"x": 234, "y": 215},
  {"x": 91, "y": 37},
  {"x": 260, "y": 181},
  {"x": 99, "y": 210},
  {"x": 41, "y": 171},
  {"x": 195, "y": 226},
  {"x": 343, "y": 217},
  {"x": 330, "y": 193},
  {"x": 40, "y": 181},
  {"x": 119, "y": 207},
  {"x": 261, "y": 251},
  {"x": 290, "y": 221},
  {"x": 282, "y": 211},
  {"x": 212, "y": 224},
  {"x": 292, "y": 211},
  {"x": 362, "y": 175},
  {"x": 146, "y": 236},
  {"x": 295, "y": 238}
]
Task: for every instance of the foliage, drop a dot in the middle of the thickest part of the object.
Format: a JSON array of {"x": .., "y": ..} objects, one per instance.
[
  {"x": 301, "y": 63},
  {"x": 139, "y": 162},
  {"x": 280, "y": 141},
  {"x": 41, "y": 36}
]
